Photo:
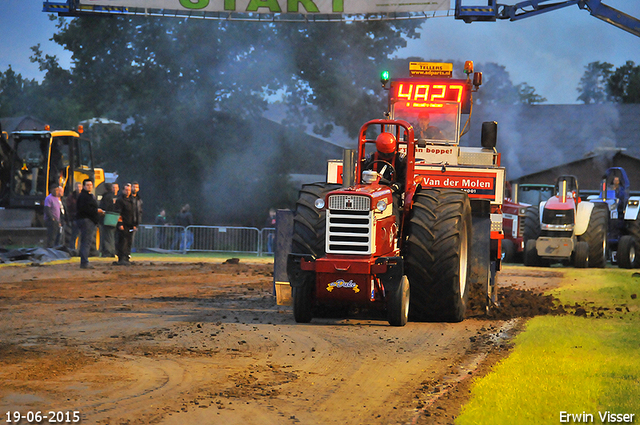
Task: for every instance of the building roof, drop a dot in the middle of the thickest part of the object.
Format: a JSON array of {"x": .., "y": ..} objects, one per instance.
[
  {"x": 533, "y": 138},
  {"x": 26, "y": 122}
]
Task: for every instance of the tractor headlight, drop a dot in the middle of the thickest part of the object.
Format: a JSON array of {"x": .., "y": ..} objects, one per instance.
[
  {"x": 319, "y": 203},
  {"x": 634, "y": 203},
  {"x": 522, "y": 211},
  {"x": 381, "y": 205}
]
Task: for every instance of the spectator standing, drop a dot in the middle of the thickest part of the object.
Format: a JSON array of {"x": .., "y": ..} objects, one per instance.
[
  {"x": 271, "y": 223},
  {"x": 107, "y": 233},
  {"x": 137, "y": 201},
  {"x": 71, "y": 204},
  {"x": 161, "y": 221},
  {"x": 127, "y": 224},
  {"x": 87, "y": 218},
  {"x": 185, "y": 219},
  {"x": 53, "y": 215}
]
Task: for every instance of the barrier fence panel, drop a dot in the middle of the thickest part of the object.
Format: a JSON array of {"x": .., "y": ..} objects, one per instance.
[
  {"x": 159, "y": 237},
  {"x": 248, "y": 240},
  {"x": 267, "y": 241},
  {"x": 223, "y": 239}
]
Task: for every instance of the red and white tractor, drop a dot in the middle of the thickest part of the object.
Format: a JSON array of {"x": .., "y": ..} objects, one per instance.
[
  {"x": 567, "y": 230},
  {"x": 414, "y": 247}
]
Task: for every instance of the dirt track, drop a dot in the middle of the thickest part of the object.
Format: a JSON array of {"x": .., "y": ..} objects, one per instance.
[{"x": 205, "y": 343}]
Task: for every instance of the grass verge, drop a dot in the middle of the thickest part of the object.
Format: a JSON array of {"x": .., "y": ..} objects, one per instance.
[{"x": 585, "y": 364}]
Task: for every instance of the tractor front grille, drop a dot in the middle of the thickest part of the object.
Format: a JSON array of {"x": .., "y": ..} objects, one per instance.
[
  {"x": 349, "y": 225},
  {"x": 349, "y": 203}
]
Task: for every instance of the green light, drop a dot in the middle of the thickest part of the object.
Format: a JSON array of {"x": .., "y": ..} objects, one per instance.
[{"x": 384, "y": 76}]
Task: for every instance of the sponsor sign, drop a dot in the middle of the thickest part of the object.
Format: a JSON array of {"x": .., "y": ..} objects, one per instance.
[
  {"x": 438, "y": 155},
  {"x": 280, "y": 6},
  {"x": 341, "y": 283},
  {"x": 431, "y": 69},
  {"x": 478, "y": 184}
]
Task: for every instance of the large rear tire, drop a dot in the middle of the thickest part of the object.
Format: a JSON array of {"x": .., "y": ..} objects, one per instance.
[
  {"x": 627, "y": 252},
  {"x": 596, "y": 235},
  {"x": 309, "y": 222},
  {"x": 398, "y": 305},
  {"x": 436, "y": 253},
  {"x": 308, "y": 238},
  {"x": 531, "y": 224},
  {"x": 581, "y": 258}
]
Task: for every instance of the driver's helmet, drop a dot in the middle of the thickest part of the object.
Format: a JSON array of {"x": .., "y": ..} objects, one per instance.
[{"x": 386, "y": 143}]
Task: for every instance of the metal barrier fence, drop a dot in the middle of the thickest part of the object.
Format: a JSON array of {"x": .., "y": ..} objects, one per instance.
[{"x": 249, "y": 240}]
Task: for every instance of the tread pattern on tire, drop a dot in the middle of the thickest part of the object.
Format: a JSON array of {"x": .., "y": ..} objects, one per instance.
[
  {"x": 531, "y": 224},
  {"x": 582, "y": 252},
  {"x": 596, "y": 235},
  {"x": 433, "y": 252},
  {"x": 309, "y": 223},
  {"x": 625, "y": 245}
]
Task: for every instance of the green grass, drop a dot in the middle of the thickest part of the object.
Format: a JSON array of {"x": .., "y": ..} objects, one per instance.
[{"x": 569, "y": 363}]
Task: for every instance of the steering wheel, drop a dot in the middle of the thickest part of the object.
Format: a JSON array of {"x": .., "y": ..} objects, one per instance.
[{"x": 393, "y": 170}]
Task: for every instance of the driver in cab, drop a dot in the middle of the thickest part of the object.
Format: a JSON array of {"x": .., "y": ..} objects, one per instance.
[
  {"x": 388, "y": 162},
  {"x": 425, "y": 131}
]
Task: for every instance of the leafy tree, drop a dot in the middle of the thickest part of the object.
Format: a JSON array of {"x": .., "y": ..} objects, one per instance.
[
  {"x": 17, "y": 95},
  {"x": 528, "y": 95},
  {"x": 593, "y": 86},
  {"x": 624, "y": 83}
]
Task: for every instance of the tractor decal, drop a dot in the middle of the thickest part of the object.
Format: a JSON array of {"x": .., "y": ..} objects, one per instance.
[{"x": 340, "y": 283}]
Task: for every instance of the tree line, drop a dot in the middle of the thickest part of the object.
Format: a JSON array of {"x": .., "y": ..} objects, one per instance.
[{"x": 188, "y": 94}]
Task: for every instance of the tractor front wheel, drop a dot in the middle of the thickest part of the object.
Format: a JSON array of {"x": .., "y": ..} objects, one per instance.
[
  {"x": 398, "y": 304},
  {"x": 627, "y": 249}
]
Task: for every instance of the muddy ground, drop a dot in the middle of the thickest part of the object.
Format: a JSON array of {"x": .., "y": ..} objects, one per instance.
[{"x": 205, "y": 343}]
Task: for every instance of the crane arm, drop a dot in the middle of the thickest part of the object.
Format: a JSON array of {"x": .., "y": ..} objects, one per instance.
[{"x": 524, "y": 9}]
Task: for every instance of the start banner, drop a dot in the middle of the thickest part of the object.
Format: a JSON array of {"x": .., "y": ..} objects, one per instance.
[{"x": 305, "y": 7}]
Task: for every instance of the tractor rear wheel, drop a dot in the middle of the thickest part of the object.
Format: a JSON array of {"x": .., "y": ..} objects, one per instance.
[
  {"x": 627, "y": 249},
  {"x": 596, "y": 235},
  {"x": 398, "y": 305},
  {"x": 581, "y": 257},
  {"x": 531, "y": 224},
  {"x": 309, "y": 222},
  {"x": 308, "y": 238},
  {"x": 436, "y": 254},
  {"x": 633, "y": 227}
]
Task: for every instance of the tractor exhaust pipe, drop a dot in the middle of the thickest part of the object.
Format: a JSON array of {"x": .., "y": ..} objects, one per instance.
[{"x": 348, "y": 167}]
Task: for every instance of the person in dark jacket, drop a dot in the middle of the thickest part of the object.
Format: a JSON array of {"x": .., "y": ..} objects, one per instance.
[
  {"x": 127, "y": 224},
  {"x": 87, "y": 217},
  {"x": 107, "y": 233},
  {"x": 70, "y": 203}
]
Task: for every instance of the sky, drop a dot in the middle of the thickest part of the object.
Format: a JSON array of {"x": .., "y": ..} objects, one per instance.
[{"x": 548, "y": 51}]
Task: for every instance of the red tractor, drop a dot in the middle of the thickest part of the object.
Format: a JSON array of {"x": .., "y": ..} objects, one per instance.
[
  {"x": 520, "y": 206},
  {"x": 413, "y": 247}
]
